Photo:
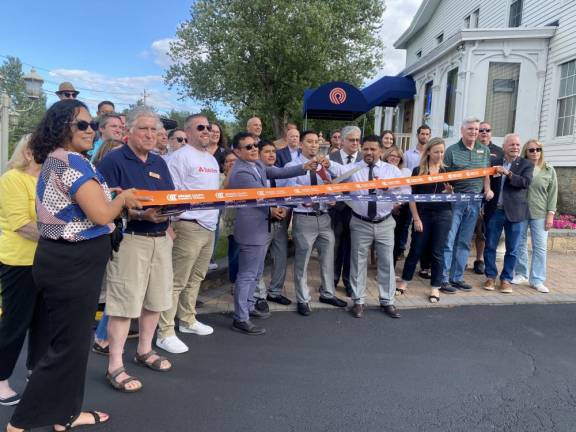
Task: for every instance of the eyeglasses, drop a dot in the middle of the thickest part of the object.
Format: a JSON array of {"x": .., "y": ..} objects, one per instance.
[
  {"x": 181, "y": 140},
  {"x": 69, "y": 95},
  {"x": 200, "y": 128},
  {"x": 353, "y": 139},
  {"x": 485, "y": 130},
  {"x": 249, "y": 147},
  {"x": 393, "y": 156},
  {"x": 82, "y": 125},
  {"x": 535, "y": 150}
]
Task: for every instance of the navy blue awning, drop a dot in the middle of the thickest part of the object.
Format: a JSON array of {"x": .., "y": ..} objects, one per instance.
[
  {"x": 389, "y": 90},
  {"x": 335, "y": 100}
]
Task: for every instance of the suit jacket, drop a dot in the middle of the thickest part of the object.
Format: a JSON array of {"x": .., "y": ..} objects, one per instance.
[
  {"x": 515, "y": 198},
  {"x": 283, "y": 156},
  {"x": 251, "y": 224},
  {"x": 340, "y": 205}
]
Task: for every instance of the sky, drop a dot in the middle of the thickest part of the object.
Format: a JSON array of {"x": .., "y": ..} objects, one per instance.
[{"x": 114, "y": 50}]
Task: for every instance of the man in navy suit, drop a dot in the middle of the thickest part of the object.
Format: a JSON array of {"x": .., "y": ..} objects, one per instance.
[
  {"x": 341, "y": 213},
  {"x": 251, "y": 227},
  {"x": 290, "y": 152},
  {"x": 508, "y": 210}
]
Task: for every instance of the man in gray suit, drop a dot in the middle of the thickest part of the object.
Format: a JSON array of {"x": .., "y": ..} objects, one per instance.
[
  {"x": 251, "y": 227},
  {"x": 341, "y": 213}
]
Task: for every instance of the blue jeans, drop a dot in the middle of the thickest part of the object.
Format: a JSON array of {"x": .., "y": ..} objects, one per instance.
[
  {"x": 513, "y": 233},
  {"x": 539, "y": 238},
  {"x": 457, "y": 247},
  {"x": 102, "y": 329}
]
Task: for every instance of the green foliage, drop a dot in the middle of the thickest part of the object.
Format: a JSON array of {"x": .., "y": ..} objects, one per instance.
[
  {"x": 258, "y": 57},
  {"x": 12, "y": 82}
]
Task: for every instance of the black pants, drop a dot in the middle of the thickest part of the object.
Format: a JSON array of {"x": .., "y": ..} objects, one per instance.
[
  {"x": 23, "y": 311},
  {"x": 341, "y": 225},
  {"x": 403, "y": 220},
  {"x": 69, "y": 276},
  {"x": 436, "y": 228}
]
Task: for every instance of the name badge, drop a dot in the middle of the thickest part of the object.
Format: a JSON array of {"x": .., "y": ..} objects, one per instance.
[
  {"x": 480, "y": 151},
  {"x": 153, "y": 174}
]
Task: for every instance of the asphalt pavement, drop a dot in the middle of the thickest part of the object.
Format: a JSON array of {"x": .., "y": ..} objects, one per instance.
[{"x": 479, "y": 368}]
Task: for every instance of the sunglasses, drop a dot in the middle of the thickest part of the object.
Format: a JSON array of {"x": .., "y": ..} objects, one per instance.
[
  {"x": 69, "y": 95},
  {"x": 249, "y": 147},
  {"x": 485, "y": 130},
  {"x": 535, "y": 150},
  {"x": 181, "y": 140},
  {"x": 200, "y": 128},
  {"x": 82, "y": 125}
]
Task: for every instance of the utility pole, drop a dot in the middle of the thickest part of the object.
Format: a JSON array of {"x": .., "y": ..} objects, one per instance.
[{"x": 144, "y": 97}]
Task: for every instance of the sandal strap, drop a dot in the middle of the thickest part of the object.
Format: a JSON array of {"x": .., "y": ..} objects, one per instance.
[
  {"x": 95, "y": 415},
  {"x": 158, "y": 362},
  {"x": 144, "y": 357},
  {"x": 115, "y": 373}
]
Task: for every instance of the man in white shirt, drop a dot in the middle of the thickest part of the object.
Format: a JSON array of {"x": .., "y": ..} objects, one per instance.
[
  {"x": 412, "y": 156},
  {"x": 192, "y": 167},
  {"x": 372, "y": 222},
  {"x": 311, "y": 226}
]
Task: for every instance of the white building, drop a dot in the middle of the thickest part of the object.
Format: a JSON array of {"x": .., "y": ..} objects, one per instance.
[{"x": 511, "y": 62}]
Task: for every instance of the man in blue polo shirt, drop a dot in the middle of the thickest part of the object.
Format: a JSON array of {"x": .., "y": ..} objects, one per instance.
[
  {"x": 466, "y": 154},
  {"x": 139, "y": 276}
]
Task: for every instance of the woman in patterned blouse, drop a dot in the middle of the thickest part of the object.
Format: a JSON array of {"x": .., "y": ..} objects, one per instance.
[{"x": 75, "y": 213}]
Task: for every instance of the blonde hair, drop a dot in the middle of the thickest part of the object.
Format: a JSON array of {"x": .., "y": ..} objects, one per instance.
[
  {"x": 424, "y": 167},
  {"x": 524, "y": 153},
  {"x": 105, "y": 148},
  {"x": 18, "y": 160},
  {"x": 390, "y": 150}
]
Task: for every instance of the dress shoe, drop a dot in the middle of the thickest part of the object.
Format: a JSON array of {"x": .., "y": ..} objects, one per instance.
[
  {"x": 446, "y": 288},
  {"x": 479, "y": 267},
  {"x": 357, "y": 310},
  {"x": 489, "y": 285},
  {"x": 261, "y": 306},
  {"x": 506, "y": 287},
  {"x": 255, "y": 313},
  {"x": 304, "y": 309},
  {"x": 334, "y": 301},
  {"x": 284, "y": 301},
  {"x": 391, "y": 311},
  {"x": 248, "y": 328},
  {"x": 461, "y": 285}
]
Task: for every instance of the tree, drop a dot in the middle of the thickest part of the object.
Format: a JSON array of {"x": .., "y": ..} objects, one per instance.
[
  {"x": 12, "y": 82},
  {"x": 259, "y": 57}
]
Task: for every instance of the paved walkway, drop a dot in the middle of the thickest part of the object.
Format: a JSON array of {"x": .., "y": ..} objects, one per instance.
[{"x": 216, "y": 290}]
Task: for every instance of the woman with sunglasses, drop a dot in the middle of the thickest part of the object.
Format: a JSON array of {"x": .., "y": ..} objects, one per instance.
[
  {"x": 75, "y": 214},
  {"x": 542, "y": 198},
  {"x": 176, "y": 139}
]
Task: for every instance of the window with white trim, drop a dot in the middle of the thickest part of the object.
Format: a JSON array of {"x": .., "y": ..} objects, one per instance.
[
  {"x": 427, "y": 109},
  {"x": 566, "y": 99},
  {"x": 501, "y": 97},
  {"x": 440, "y": 38},
  {"x": 450, "y": 106},
  {"x": 515, "y": 18}
]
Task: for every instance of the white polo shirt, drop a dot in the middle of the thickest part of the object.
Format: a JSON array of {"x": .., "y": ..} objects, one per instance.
[{"x": 192, "y": 169}]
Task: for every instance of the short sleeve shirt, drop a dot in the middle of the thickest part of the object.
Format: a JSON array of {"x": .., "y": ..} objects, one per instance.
[
  {"x": 458, "y": 157},
  {"x": 122, "y": 168},
  {"x": 59, "y": 215}
]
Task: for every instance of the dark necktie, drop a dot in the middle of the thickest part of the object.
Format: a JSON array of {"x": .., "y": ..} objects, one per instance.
[
  {"x": 371, "y": 204},
  {"x": 348, "y": 159},
  {"x": 314, "y": 182}
]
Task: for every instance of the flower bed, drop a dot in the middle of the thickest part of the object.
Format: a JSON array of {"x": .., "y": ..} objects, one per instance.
[{"x": 565, "y": 222}]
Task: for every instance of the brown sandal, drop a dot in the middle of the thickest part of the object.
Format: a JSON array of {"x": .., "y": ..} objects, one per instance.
[
  {"x": 155, "y": 365},
  {"x": 121, "y": 385}
]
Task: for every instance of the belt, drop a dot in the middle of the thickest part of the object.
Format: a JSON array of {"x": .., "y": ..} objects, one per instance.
[
  {"x": 374, "y": 221},
  {"x": 188, "y": 220},
  {"x": 147, "y": 234},
  {"x": 313, "y": 213}
]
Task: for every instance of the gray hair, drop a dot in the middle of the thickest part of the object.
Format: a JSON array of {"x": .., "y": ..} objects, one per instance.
[
  {"x": 469, "y": 120},
  {"x": 347, "y": 130},
  {"x": 510, "y": 135},
  {"x": 141, "y": 111}
]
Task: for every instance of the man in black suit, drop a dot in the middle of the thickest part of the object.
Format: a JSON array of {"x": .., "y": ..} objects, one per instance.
[
  {"x": 348, "y": 154},
  {"x": 508, "y": 210},
  {"x": 290, "y": 152}
]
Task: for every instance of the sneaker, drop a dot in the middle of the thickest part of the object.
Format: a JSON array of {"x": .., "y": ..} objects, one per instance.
[
  {"x": 197, "y": 328},
  {"x": 490, "y": 284},
  {"x": 461, "y": 285},
  {"x": 212, "y": 266},
  {"x": 172, "y": 344},
  {"x": 11, "y": 400},
  {"x": 519, "y": 280},
  {"x": 505, "y": 287},
  {"x": 540, "y": 288},
  {"x": 262, "y": 306},
  {"x": 446, "y": 288}
]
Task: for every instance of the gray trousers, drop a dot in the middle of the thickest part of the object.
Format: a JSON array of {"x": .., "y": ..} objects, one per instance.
[
  {"x": 250, "y": 266},
  {"x": 310, "y": 231},
  {"x": 363, "y": 234},
  {"x": 278, "y": 246}
]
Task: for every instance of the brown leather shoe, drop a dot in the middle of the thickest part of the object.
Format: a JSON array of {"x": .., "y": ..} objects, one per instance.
[
  {"x": 489, "y": 285},
  {"x": 391, "y": 311},
  {"x": 357, "y": 310},
  {"x": 506, "y": 287}
]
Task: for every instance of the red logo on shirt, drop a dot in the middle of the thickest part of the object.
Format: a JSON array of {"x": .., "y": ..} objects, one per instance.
[{"x": 207, "y": 170}]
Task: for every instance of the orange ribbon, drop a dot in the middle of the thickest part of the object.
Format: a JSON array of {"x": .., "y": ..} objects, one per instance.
[{"x": 172, "y": 197}]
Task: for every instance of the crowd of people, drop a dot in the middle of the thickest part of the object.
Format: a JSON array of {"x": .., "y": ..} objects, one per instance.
[{"x": 75, "y": 234}]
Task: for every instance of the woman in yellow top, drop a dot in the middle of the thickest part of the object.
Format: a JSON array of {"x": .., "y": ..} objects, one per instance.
[{"x": 23, "y": 307}]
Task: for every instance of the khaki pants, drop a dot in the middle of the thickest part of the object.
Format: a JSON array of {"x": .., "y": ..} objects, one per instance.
[{"x": 190, "y": 258}]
